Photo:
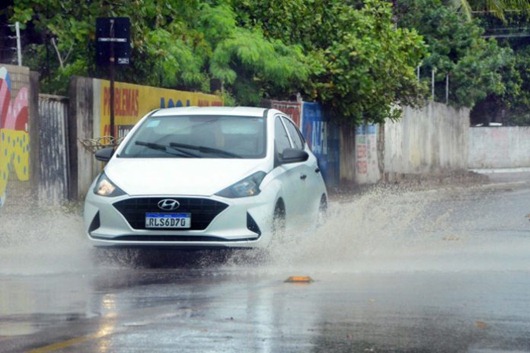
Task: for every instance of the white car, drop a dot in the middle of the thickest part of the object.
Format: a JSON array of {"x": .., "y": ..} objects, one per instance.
[{"x": 206, "y": 177}]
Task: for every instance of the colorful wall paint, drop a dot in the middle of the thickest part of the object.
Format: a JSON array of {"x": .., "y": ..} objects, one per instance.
[
  {"x": 14, "y": 137},
  {"x": 132, "y": 102}
]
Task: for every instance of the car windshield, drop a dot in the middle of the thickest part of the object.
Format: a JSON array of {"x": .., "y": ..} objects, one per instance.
[{"x": 198, "y": 137}]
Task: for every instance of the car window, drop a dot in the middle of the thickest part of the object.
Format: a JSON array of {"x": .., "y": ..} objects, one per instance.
[
  {"x": 198, "y": 136},
  {"x": 296, "y": 137},
  {"x": 281, "y": 137}
]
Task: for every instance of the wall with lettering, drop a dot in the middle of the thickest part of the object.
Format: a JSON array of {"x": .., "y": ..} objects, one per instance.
[
  {"x": 132, "y": 102},
  {"x": 14, "y": 137},
  {"x": 366, "y": 161}
]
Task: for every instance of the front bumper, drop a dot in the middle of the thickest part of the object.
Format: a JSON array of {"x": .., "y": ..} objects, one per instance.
[{"x": 216, "y": 222}]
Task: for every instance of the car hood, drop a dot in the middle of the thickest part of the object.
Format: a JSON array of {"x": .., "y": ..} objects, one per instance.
[{"x": 179, "y": 176}]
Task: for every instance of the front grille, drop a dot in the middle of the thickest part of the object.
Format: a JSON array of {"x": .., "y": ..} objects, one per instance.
[{"x": 202, "y": 211}]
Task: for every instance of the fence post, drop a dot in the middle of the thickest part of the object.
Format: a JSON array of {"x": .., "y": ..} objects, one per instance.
[
  {"x": 19, "y": 47},
  {"x": 432, "y": 83},
  {"x": 447, "y": 88}
]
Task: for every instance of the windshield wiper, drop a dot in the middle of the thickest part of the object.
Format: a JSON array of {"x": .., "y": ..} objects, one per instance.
[
  {"x": 164, "y": 148},
  {"x": 204, "y": 149}
]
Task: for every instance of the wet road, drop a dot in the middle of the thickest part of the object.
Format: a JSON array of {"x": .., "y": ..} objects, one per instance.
[{"x": 394, "y": 271}]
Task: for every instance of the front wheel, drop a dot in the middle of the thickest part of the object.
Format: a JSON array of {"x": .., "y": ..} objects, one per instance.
[
  {"x": 278, "y": 220},
  {"x": 322, "y": 214},
  {"x": 278, "y": 224}
]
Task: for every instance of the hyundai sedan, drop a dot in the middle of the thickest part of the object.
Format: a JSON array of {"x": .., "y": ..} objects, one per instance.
[{"x": 206, "y": 177}]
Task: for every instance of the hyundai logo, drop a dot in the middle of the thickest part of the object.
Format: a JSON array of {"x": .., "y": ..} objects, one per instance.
[{"x": 168, "y": 204}]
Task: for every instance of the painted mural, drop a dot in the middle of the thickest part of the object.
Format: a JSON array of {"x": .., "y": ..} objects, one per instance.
[{"x": 14, "y": 137}]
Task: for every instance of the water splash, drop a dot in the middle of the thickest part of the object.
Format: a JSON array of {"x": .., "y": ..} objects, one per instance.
[
  {"x": 41, "y": 239},
  {"x": 383, "y": 230}
]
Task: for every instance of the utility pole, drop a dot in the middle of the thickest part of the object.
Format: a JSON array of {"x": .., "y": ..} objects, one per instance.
[
  {"x": 112, "y": 48},
  {"x": 19, "y": 46},
  {"x": 111, "y": 67}
]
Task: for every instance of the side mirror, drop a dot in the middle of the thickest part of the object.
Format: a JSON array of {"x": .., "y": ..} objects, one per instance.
[
  {"x": 104, "y": 154},
  {"x": 292, "y": 155}
]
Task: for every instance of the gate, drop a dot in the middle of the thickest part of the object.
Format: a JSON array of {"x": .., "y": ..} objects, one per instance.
[{"x": 53, "y": 149}]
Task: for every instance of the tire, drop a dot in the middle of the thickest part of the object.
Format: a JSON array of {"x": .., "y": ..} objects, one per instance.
[
  {"x": 322, "y": 215},
  {"x": 278, "y": 223}
]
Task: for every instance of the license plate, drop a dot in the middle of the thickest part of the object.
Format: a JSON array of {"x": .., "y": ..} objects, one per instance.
[{"x": 167, "y": 220}]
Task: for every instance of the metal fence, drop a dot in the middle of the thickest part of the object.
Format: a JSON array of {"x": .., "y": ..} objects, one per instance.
[{"x": 53, "y": 149}]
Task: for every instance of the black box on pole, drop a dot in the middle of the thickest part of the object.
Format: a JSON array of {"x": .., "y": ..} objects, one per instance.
[{"x": 113, "y": 43}]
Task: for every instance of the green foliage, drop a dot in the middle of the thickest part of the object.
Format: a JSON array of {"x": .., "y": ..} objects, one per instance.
[
  {"x": 497, "y": 8},
  {"x": 58, "y": 29},
  {"x": 249, "y": 65},
  {"x": 516, "y": 100},
  {"x": 349, "y": 55},
  {"x": 360, "y": 65},
  {"x": 177, "y": 44},
  {"x": 506, "y": 21},
  {"x": 475, "y": 65},
  {"x": 365, "y": 76}
]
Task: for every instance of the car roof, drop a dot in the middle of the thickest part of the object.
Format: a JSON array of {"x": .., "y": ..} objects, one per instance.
[{"x": 233, "y": 111}]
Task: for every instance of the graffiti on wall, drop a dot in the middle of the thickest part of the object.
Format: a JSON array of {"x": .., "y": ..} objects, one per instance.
[
  {"x": 14, "y": 137},
  {"x": 314, "y": 129},
  {"x": 366, "y": 167}
]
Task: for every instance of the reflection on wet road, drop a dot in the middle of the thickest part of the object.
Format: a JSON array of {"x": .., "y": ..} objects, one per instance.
[{"x": 394, "y": 271}]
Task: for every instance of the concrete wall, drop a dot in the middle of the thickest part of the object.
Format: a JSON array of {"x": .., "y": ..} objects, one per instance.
[
  {"x": 436, "y": 139},
  {"x": 431, "y": 140},
  {"x": 80, "y": 128},
  {"x": 499, "y": 147}
]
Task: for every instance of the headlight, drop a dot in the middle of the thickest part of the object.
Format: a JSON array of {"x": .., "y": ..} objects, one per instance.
[
  {"x": 244, "y": 188},
  {"x": 105, "y": 187}
]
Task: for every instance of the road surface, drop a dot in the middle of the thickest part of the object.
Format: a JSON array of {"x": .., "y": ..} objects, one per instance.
[{"x": 442, "y": 270}]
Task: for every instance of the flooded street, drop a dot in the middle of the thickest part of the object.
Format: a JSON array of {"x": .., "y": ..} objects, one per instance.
[{"x": 442, "y": 270}]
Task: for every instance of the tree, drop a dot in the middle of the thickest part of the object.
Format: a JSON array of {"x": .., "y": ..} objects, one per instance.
[
  {"x": 475, "y": 65},
  {"x": 177, "y": 44},
  {"x": 251, "y": 66},
  {"x": 497, "y": 8},
  {"x": 347, "y": 55},
  {"x": 361, "y": 64},
  {"x": 506, "y": 21}
]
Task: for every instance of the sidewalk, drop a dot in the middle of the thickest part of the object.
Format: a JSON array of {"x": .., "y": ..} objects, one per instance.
[
  {"x": 501, "y": 170},
  {"x": 505, "y": 175}
]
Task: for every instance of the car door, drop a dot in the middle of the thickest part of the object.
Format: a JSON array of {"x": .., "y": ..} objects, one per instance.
[
  {"x": 310, "y": 187},
  {"x": 290, "y": 175}
]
